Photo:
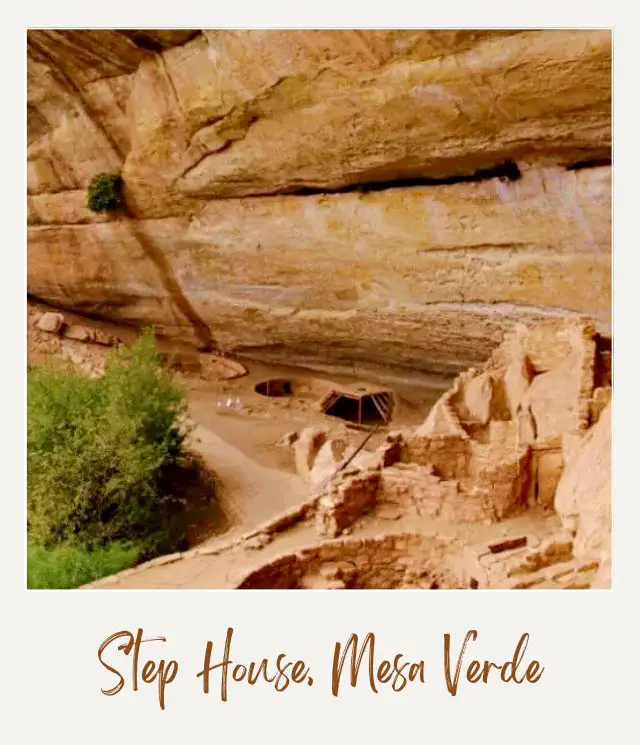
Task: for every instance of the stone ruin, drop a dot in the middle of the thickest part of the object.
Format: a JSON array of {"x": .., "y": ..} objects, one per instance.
[
  {"x": 529, "y": 431},
  {"x": 384, "y": 562},
  {"x": 83, "y": 346},
  {"x": 505, "y": 485}
]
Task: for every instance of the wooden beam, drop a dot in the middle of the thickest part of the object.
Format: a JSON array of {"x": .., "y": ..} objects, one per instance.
[
  {"x": 388, "y": 401},
  {"x": 328, "y": 400},
  {"x": 379, "y": 407},
  {"x": 383, "y": 400},
  {"x": 385, "y": 405}
]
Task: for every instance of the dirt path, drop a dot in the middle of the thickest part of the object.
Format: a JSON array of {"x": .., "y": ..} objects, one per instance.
[
  {"x": 248, "y": 492},
  {"x": 205, "y": 568}
]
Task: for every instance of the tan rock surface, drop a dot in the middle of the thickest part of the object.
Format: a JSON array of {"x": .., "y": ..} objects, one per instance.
[
  {"x": 306, "y": 449},
  {"x": 326, "y": 462},
  {"x": 517, "y": 379},
  {"x": 473, "y": 404},
  {"x": 360, "y": 117},
  {"x": 552, "y": 411},
  {"x": 406, "y": 272},
  {"x": 583, "y": 497},
  {"x": 52, "y": 323}
]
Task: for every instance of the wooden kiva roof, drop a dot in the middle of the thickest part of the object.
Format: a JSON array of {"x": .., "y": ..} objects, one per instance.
[{"x": 367, "y": 404}]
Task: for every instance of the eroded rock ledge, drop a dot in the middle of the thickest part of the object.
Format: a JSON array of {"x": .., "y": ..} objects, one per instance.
[{"x": 215, "y": 131}]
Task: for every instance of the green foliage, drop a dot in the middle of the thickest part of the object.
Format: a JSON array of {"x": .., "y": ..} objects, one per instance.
[
  {"x": 67, "y": 566},
  {"x": 105, "y": 192},
  {"x": 104, "y": 456}
]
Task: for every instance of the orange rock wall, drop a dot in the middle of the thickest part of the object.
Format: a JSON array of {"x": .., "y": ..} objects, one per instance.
[{"x": 237, "y": 147}]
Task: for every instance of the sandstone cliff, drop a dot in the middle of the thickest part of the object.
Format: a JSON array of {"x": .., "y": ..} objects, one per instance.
[
  {"x": 372, "y": 197},
  {"x": 583, "y": 498}
]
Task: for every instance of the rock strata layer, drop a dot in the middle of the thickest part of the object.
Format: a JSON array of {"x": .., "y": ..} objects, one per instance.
[{"x": 373, "y": 197}]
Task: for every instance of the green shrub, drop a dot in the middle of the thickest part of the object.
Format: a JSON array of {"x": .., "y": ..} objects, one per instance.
[
  {"x": 105, "y": 192},
  {"x": 67, "y": 566},
  {"x": 104, "y": 456}
]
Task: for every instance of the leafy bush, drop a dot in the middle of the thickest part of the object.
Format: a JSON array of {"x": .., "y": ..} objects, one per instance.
[
  {"x": 67, "y": 566},
  {"x": 104, "y": 456},
  {"x": 105, "y": 192}
]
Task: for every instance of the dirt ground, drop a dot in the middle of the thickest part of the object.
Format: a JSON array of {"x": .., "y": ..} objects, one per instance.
[{"x": 256, "y": 478}]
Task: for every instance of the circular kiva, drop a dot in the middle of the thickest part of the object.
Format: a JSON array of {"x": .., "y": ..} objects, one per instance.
[
  {"x": 275, "y": 387},
  {"x": 370, "y": 563}
]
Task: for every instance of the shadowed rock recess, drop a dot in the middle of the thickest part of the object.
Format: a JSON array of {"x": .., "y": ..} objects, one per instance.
[{"x": 392, "y": 199}]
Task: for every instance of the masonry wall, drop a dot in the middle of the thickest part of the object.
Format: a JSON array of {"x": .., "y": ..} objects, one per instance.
[
  {"x": 449, "y": 455},
  {"x": 380, "y": 562},
  {"x": 346, "y": 503}
]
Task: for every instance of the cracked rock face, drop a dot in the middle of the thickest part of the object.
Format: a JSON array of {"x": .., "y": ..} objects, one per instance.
[
  {"x": 583, "y": 497},
  {"x": 331, "y": 195}
]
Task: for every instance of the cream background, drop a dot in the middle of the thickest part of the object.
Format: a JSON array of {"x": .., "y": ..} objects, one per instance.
[{"x": 51, "y": 675}]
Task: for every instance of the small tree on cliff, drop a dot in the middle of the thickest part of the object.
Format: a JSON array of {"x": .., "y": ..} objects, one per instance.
[{"x": 104, "y": 193}]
